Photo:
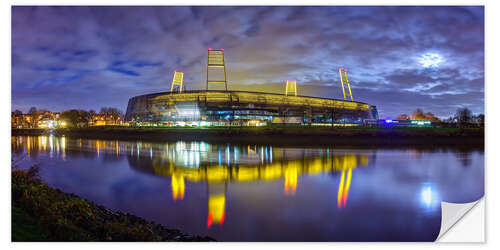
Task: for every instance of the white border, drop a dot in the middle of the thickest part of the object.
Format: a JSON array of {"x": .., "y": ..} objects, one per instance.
[{"x": 491, "y": 91}]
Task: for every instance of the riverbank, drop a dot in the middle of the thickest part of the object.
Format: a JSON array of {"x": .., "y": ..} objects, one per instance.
[
  {"x": 279, "y": 135},
  {"x": 42, "y": 213}
]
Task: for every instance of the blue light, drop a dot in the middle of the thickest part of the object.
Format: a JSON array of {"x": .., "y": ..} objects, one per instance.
[
  {"x": 429, "y": 197},
  {"x": 426, "y": 196},
  {"x": 388, "y": 121}
]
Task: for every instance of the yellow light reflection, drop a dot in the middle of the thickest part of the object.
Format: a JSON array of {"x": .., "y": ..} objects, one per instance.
[
  {"x": 29, "y": 145},
  {"x": 63, "y": 147},
  {"x": 117, "y": 148},
  {"x": 341, "y": 189},
  {"x": 216, "y": 210},
  {"x": 271, "y": 172},
  {"x": 178, "y": 186},
  {"x": 246, "y": 173},
  {"x": 217, "y": 174},
  {"x": 98, "y": 147},
  {"x": 197, "y": 162},
  {"x": 291, "y": 176},
  {"x": 363, "y": 160},
  {"x": 43, "y": 140},
  {"x": 344, "y": 188}
]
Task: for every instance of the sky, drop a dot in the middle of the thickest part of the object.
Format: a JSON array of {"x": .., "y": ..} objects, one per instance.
[{"x": 397, "y": 58}]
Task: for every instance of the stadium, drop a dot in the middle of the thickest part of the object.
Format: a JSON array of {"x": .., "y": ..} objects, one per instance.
[{"x": 243, "y": 108}]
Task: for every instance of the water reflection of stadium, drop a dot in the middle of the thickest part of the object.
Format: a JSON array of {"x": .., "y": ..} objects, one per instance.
[
  {"x": 214, "y": 164},
  {"x": 219, "y": 164}
]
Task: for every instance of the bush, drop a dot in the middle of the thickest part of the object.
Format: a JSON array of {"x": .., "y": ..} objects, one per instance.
[{"x": 67, "y": 217}]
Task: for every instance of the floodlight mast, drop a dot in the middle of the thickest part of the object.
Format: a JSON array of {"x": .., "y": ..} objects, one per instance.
[
  {"x": 291, "y": 87},
  {"x": 216, "y": 60},
  {"x": 344, "y": 81},
  {"x": 177, "y": 81}
]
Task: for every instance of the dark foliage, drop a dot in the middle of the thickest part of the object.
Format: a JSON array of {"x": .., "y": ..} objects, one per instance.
[{"x": 67, "y": 217}]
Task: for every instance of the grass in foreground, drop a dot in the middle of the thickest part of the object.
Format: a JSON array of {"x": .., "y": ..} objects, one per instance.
[{"x": 42, "y": 213}]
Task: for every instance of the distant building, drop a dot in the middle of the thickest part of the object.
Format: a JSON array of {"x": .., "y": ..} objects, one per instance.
[
  {"x": 105, "y": 120},
  {"x": 46, "y": 119},
  {"x": 399, "y": 123},
  {"x": 21, "y": 121}
]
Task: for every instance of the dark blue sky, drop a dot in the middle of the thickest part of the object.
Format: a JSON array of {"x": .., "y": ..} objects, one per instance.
[{"x": 398, "y": 58}]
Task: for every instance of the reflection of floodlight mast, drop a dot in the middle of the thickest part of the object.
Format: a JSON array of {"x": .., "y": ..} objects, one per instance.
[
  {"x": 216, "y": 64},
  {"x": 291, "y": 86},
  {"x": 344, "y": 186},
  {"x": 344, "y": 80},
  {"x": 216, "y": 203},
  {"x": 177, "y": 81}
]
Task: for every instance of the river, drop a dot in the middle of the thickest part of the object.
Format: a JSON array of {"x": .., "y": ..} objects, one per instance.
[{"x": 241, "y": 192}]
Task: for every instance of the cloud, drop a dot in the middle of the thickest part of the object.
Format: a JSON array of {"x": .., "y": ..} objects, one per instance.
[
  {"x": 96, "y": 52},
  {"x": 124, "y": 71}
]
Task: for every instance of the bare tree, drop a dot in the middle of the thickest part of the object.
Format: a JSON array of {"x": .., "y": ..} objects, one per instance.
[
  {"x": 34, "y": 116},
  {"x": 463, "y": 116}
]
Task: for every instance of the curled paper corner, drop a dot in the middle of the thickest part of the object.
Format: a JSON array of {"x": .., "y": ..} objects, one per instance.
[{"x": 452, "y": 213}]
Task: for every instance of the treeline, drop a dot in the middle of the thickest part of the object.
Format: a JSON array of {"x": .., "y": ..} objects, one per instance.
[
  {"x": 74, "y": 117},
  {"x": 83, "y": 118},
  {"x": 463, "y": 117}
]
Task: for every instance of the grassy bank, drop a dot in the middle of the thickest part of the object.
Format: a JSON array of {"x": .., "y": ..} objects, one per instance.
[
  {"x": 42, "y": 213},
  {"x": 279, "y": 135}
]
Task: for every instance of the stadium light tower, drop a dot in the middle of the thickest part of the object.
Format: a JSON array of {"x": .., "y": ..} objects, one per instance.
[
  {"x": 291, "y": 87},
  {"x": 177, "y": 81},
  {"x": 344, "y": 80},
  {"x": 216, "y": 67}
]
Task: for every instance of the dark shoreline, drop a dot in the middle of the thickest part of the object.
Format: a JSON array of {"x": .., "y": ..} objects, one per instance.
[
  {"x": 42, "y": 213},
  {"x": 359, "y": 137}
]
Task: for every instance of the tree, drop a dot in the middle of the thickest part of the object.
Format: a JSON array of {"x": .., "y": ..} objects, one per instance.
[
  {"x": 32, "y": 110},
  {"x": 418, "y": 114},
  {"x": 83, "y": 118},
  {"x": 75, "y": 118},
  {"x": 449, "y": 122},
  {"x": 18, "y": 112},
  {"x": 112, "y": 114},
  {"x": 91, "y": 115},
  {"x": 478, "y": 120},
  {"x": 71, "y": 117},
  {"x": 403, "y": 117},
  {"x": 463, "y": 116},
  {"x": 431, "y": 117},
  {"x": 34, "y": 117}
]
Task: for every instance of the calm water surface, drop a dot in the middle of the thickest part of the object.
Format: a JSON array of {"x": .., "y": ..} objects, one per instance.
[{"x": 263, "y": 192}]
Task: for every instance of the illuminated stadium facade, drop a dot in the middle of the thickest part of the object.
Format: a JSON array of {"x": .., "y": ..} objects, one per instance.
[
  {"x": 243, "y": 108},
  {"x": 240, "y": 108}
]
